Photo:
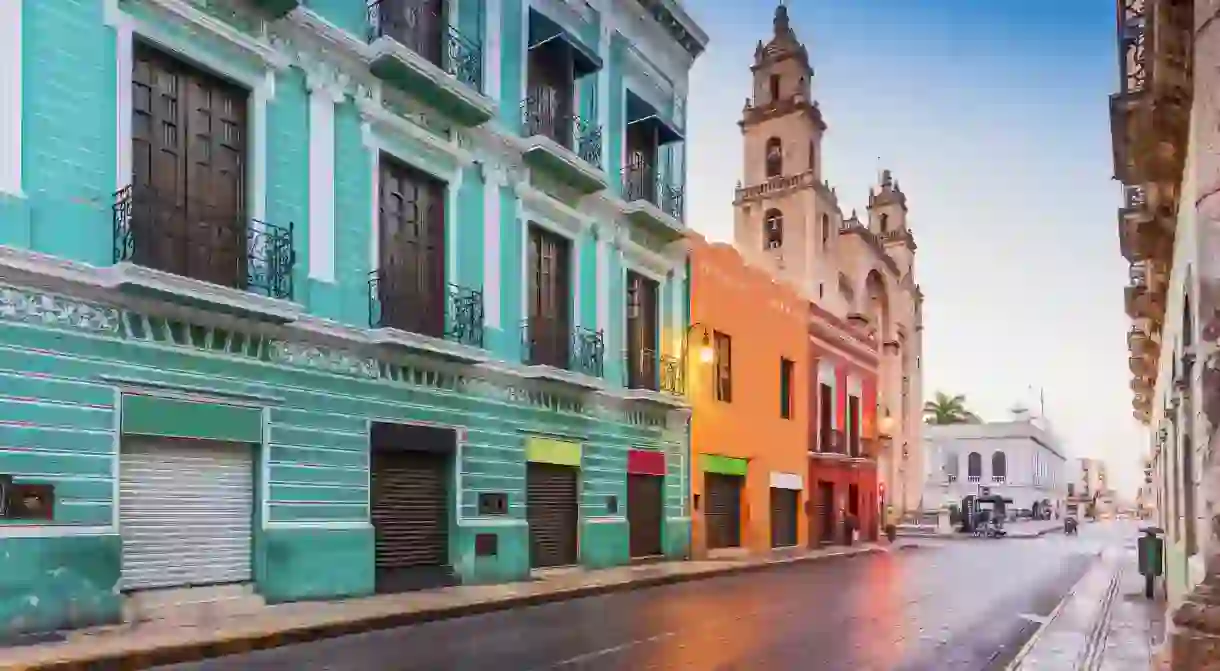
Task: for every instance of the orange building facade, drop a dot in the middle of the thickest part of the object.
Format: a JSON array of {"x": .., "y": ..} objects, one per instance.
[{"x": 750, "y": 402}]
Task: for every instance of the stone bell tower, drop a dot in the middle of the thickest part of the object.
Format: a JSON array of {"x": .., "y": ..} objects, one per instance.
[
  {"x": 780, "y": 206},
  {"x": 887, "y": 218}
]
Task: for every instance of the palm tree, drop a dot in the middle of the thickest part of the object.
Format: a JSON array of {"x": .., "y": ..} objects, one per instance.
[{"x": 946, "y": 409}]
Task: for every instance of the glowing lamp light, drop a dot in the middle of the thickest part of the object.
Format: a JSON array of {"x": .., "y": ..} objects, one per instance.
[
  {"x": 886, "y": 425},
  {"x": 705, "y": 351}
]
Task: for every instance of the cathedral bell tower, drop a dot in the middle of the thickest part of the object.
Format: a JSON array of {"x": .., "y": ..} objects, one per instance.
[
  {"x": 782, "y": 207},
  {"x": 887, "y": 218}
]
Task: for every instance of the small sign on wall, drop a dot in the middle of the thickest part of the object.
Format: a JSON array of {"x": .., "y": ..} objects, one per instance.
[{"x": 26, "y": 501}]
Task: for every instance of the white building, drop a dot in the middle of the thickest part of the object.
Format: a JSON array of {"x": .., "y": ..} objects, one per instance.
[{"x": 1018, "y": 459}]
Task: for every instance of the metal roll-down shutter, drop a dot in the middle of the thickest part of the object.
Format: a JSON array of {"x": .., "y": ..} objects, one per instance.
[
  {"x": 185, "y": 512},
  {"x": 551, "y": 493},
  {"x": 723, "y": 510},
  {"x": 784, "y": 504},
  {"x": 410, "y": 513},
  {"x": 644, "y": 513}
]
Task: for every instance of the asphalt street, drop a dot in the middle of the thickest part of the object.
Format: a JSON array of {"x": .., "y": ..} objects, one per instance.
[{"x": 964, "y": 605}]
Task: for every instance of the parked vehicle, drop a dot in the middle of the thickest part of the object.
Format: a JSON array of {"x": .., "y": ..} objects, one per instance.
[{"x": 1070, "y": 526}]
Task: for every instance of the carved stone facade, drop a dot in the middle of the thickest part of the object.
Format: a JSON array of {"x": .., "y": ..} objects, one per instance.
[{"x": 789, "y": 221}]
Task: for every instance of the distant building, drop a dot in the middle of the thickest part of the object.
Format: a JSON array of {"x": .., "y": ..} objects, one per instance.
[
  {"x": 1087, "y": 487},
  {"x": 1019, "y": 459}
]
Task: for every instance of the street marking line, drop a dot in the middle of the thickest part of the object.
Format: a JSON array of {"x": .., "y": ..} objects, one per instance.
[
  {"x": 1035, "y": 618},
  {"x": 578, "y": 659}
]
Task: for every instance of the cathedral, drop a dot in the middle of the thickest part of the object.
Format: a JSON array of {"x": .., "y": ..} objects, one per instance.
[{"x": 857, "y": 274}]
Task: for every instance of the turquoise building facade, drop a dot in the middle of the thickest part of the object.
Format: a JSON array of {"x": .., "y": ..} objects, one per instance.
[{"x": 278, "y": 335}]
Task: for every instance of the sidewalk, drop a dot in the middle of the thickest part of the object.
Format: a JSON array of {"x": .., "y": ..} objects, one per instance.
[
  {"x": 152, "y": 644},
  {"x": 1103, "y": 624}
]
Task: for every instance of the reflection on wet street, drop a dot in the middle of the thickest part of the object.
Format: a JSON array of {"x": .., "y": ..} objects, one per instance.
[{"x": 965, "y": 605}]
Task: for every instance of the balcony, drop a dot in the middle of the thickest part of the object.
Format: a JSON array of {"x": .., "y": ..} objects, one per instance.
[
  {"x": 415, "y": 49},
  {"x": 998, "y": 479},
  {"x": 446, "y": 321},
  {"x": 1140, "y": 234},
  {"x": 561, "y": 143},
  {"x": 1139, "y": 342},
  {"x": 654, "y": 376},
  {"x": 652, "y": 203},
  {"x": 1133, "y": 81},
  {"x": 202, "y": 255},
  {"x": 573, "y": 355},
  {"x": 974, "y": 479}
]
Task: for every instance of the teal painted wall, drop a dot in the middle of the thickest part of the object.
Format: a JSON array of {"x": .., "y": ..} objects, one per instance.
[
  {"x": 68, "y": 158},
  {"x": 348, "y": 15},
  {"x": 317, "y": 446},
  {"x": 57, "y": 411}
]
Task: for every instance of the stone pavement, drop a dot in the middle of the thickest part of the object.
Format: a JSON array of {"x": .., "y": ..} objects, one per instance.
[
  {"x": 153, "y": 644},
  {"x": 1103, "y": 624}
]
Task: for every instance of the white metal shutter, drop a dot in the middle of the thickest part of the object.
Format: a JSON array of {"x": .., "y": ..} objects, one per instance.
[{"x": 185, "y": 511}]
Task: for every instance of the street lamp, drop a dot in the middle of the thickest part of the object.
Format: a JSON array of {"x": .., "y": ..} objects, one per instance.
[{"x": 705, "y": 347}]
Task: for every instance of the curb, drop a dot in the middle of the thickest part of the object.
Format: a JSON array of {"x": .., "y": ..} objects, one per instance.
[
  {"x": 958, "y": 536},
  {"x": 195, "y": 651},
  {"x": 1019, "y": 659}
]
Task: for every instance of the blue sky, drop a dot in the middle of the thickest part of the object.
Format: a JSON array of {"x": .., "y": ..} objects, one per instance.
[{"x": 993, "y": 117}]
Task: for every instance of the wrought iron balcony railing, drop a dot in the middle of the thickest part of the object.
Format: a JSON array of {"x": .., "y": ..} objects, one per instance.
[
  {"x": 1132, "y": 55},
  {"x": 974, "y": 478},
  {"x": 416, "y": 25},
  {"x": 398, "y": 300},
  {"x": 206, "y": 242},
  {"x": 644, "y": 182},
  {"x": 998, "y": 479},
  {"x": 542, "y": 114},
  {"x": 550, "y": 342},
  {"x": 1134, "y": 197},
  {"x": 646, "y": 369}
]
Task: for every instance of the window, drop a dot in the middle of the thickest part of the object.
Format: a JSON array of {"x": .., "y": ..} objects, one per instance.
[
  {"x": 774, "y": 88},
  {"x": 550, "y": 305},
  {"x": 775, "y": 157},
  {"x": 825, "y": 230},
  {"x": 813, "y": 155},
  {"x": 1188, "y": 503},
  {"x": 773, "y": 235},
  {"x": 641, "y": 332},
  {"x": 885, "y": 223},
  {"x": 723, "y": 365},
  {"x": 786, "y": 369},
  {"x": 825, "y": 418},
  {"x": 853, "y": 425},
  {"x": 999, "y": 467},
  {"x": 974, "y": 466}
]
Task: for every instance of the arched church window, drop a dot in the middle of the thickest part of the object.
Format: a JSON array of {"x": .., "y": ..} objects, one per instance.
[
  {"x": 813, "y": 155},
  {"x": 885, "y": 223},
  {"x": 773, "y": 235},
  {"x": 774, "y": 84},
  {"x": 775, "y": 158},
  {"x": 825, "y": 229}
]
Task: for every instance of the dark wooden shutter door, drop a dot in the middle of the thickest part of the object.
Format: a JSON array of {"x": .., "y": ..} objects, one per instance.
[
  {"x": 410, "y": 510},
  {"x": 723, "y": 513},
  {"x": 783, "y": 517},
  {"x": 188, "y": 171},
  {"x": 412, "y": 249},
  {"x": 644, "y": 514},
  {"x": 550, "y": 299},
  {"x": 551, "y": 509},
  {"x": 641, "y": 330}
]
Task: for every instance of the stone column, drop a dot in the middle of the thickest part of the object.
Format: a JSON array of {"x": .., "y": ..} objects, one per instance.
[{"x": 1195, "y": 641}]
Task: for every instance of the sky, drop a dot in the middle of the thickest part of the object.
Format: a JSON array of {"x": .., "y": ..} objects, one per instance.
[{"x": 994, "y": 118}]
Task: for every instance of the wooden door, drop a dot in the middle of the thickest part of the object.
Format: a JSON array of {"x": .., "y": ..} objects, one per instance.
[
  {"x": 550, "y": 302},
  {"x": 411, "y": 212},
  {"x": 641, "y": 331},
  {"x": 188, "y": 212}
]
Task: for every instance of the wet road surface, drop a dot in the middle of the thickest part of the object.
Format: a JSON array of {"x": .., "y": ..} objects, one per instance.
[{"x": 962, "y": 606}]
